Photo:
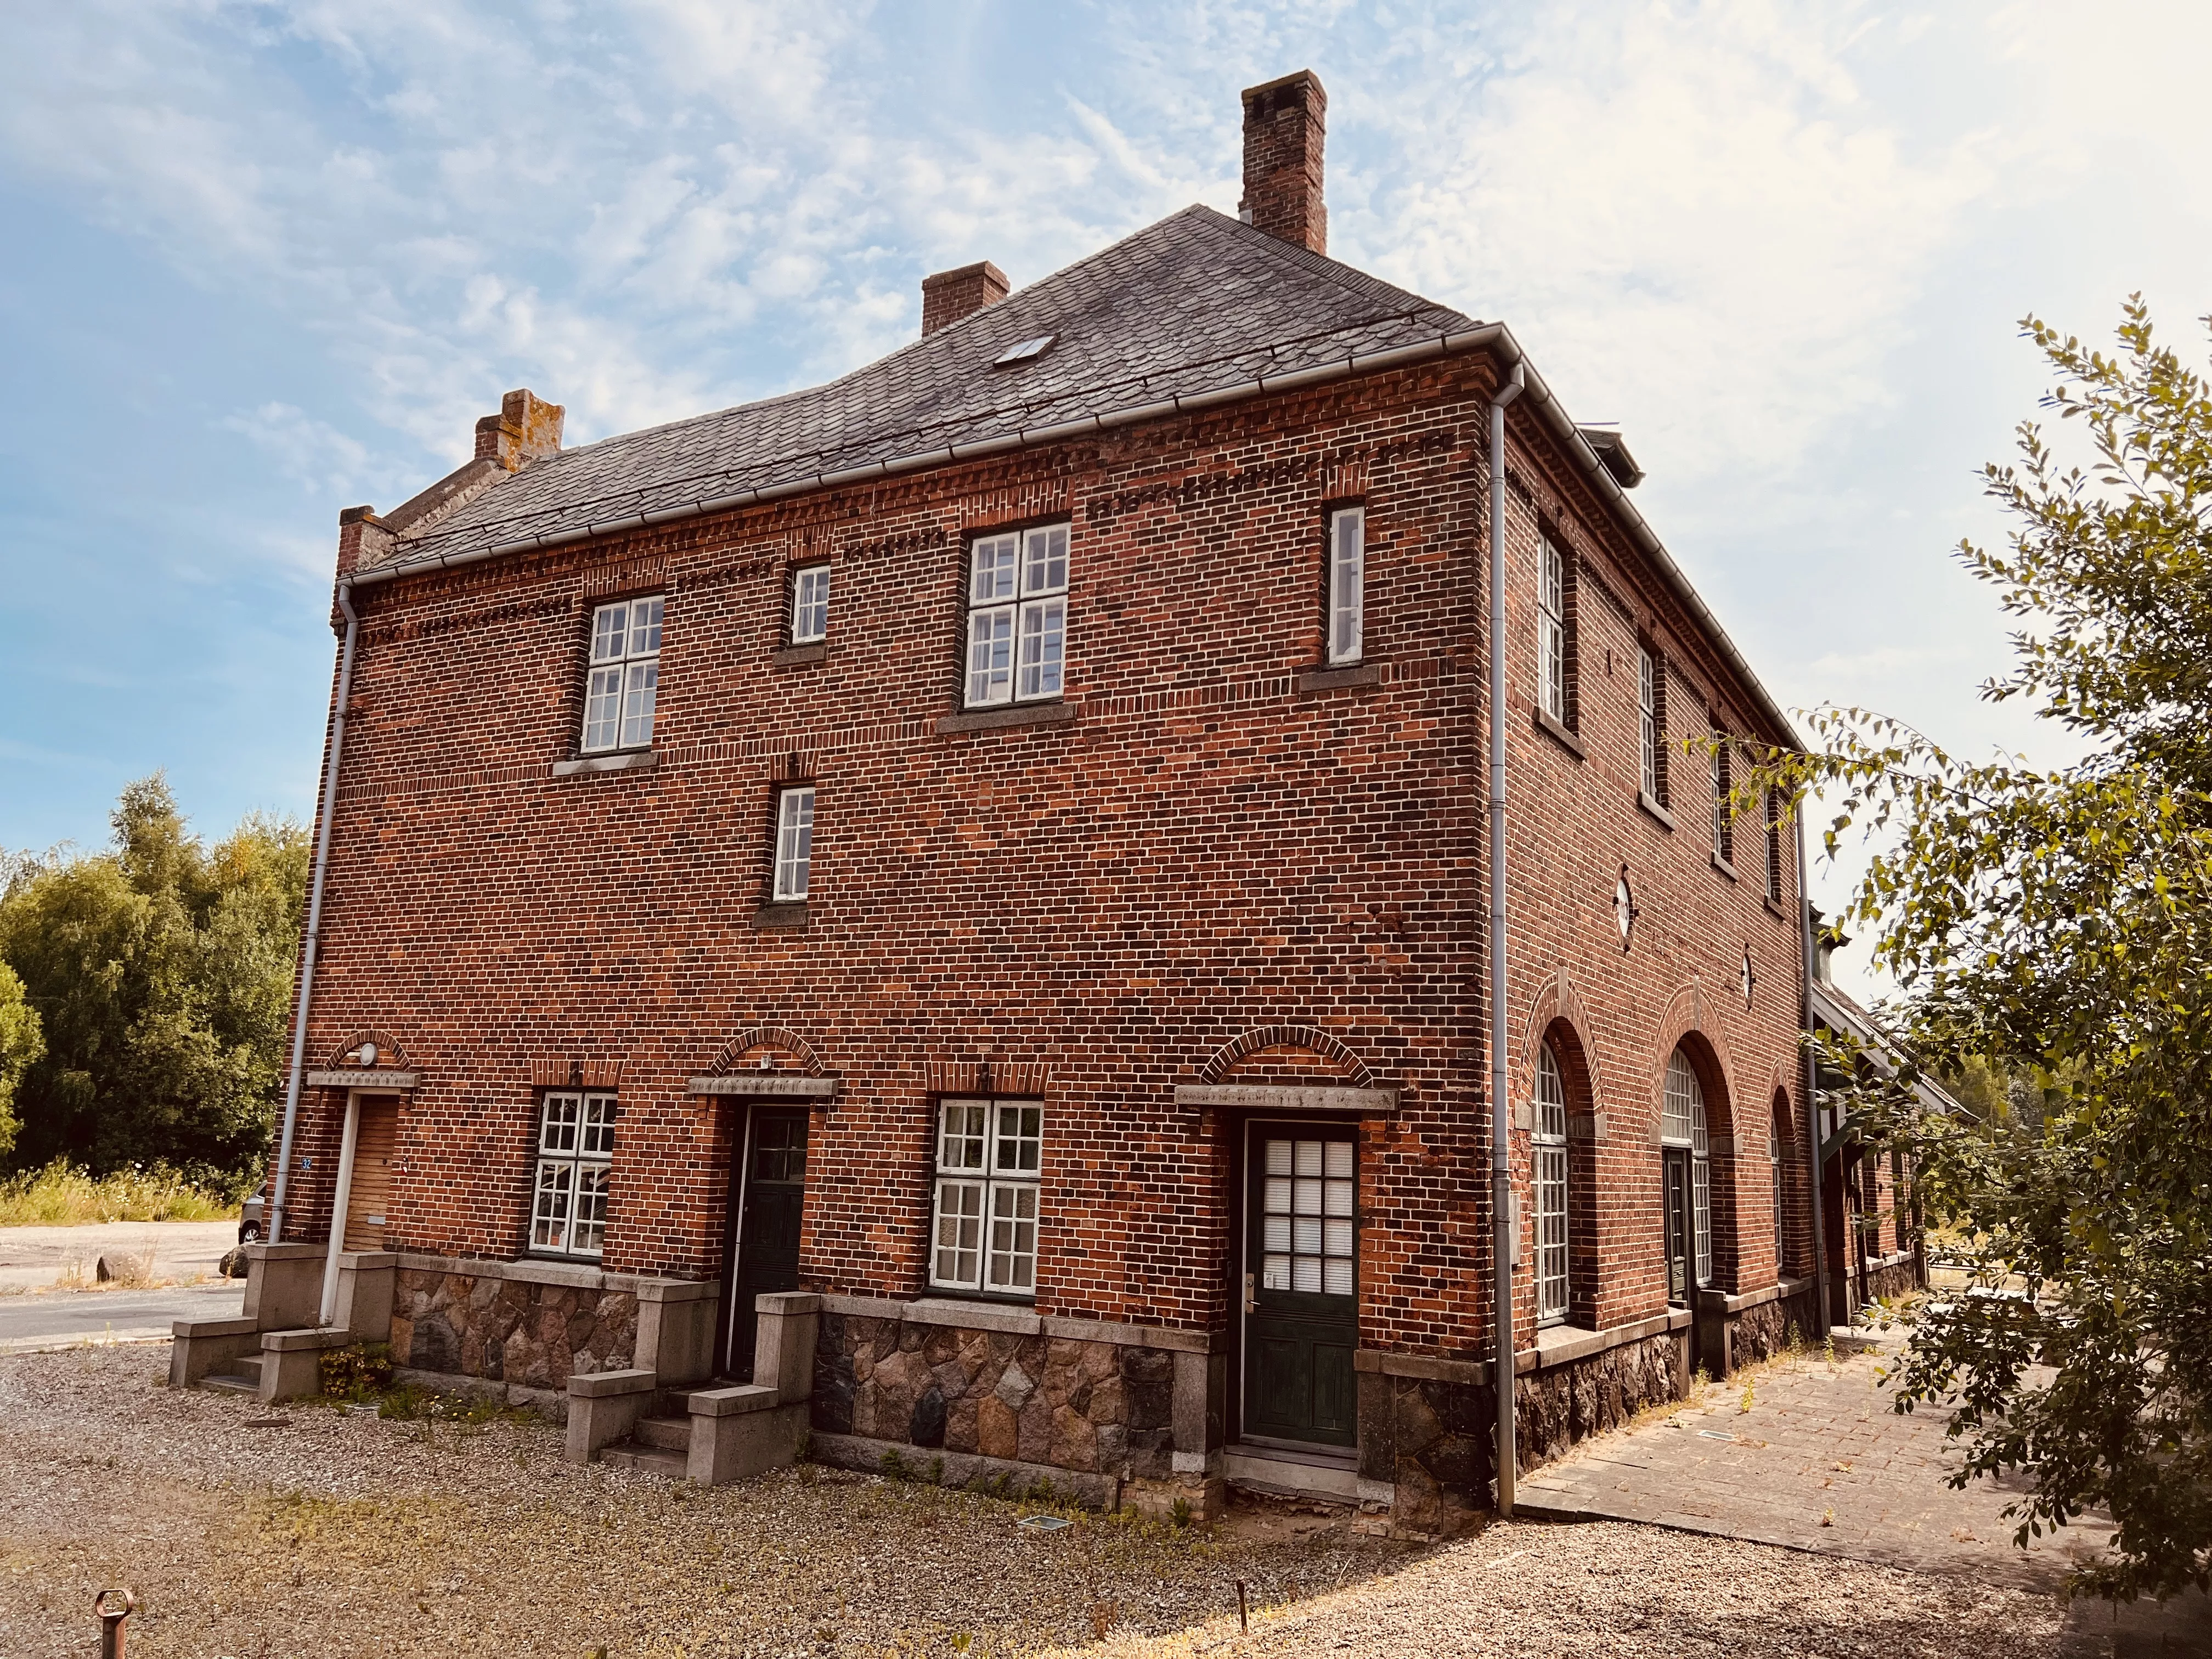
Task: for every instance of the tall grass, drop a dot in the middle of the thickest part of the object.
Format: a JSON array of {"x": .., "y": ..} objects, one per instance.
[{"x": 62, "y": 1195}]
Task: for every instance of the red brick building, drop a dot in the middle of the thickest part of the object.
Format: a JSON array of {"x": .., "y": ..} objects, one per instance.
[{"x": 998, "y": 843}]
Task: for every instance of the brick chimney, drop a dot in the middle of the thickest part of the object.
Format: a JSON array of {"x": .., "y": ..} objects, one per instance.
[
  {"x": 951, "y": 294},
  {"x": 526, "y": 429},
  {"x": 1283, "y": 129}
]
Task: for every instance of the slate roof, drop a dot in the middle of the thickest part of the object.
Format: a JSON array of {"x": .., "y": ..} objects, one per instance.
[{"x": 1192, "y": 303}]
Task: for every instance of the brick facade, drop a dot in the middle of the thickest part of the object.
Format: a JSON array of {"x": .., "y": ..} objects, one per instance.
[{"x": 1212, "y": 861}]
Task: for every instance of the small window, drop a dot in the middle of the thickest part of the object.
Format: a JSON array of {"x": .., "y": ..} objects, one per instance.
[
  {"x": 810, "y": 605},
  {"x": 1016, "y": 615},
  {"x": 1552, "y": 631},
  {"x": 1651, "y": 703},
  {"x": 1773, "y": 848},
  {"x": 989, "y": 1155},
  {"x": 625, "y": 676},
  {"x": 575, "y": 1158},
  {"x": 794, "y": 843},
  {"x": 1347, "y": 583},
  {"x": 1723, "y": 819},
  {"x": 1309, "y": 1217},
  {"x": 1550, "y": 1173}
]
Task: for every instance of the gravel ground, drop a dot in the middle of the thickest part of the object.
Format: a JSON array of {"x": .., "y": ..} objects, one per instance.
[{"x": 334, "y": 1534}]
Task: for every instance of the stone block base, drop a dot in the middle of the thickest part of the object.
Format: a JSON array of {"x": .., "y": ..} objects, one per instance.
[
  {"x": 604, "y": 1407},
  {"x": 552, "y": 1403},
  {"x": 854, "y": 1451},
  {"x": 209, "y": 1346},
  {"x": 1203, "y": 1496},
  {"x": 292, "y": 1362},
  {"x": 737, "y": 1433}
]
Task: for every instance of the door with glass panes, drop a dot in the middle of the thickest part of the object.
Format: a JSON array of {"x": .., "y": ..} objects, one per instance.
[{"x": 1301, "y": 1283}]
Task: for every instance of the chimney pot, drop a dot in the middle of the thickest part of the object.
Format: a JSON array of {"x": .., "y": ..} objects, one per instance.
[
  {"x": 1284, "y": 128},
  {"x": 526, "y": 429},
  {"x": 951, "y": 294}
]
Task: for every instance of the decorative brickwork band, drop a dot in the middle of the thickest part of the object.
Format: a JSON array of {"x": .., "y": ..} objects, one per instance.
[
  {"x": 556, "y": 1073},
  {"x": 988, "y": 1077},
  {"x": 732, "y": 1058},
  {"x": 1353, "y": 1069},
  {"x": 600, "y": 1074},
  {"x": 626, "y": 576}
]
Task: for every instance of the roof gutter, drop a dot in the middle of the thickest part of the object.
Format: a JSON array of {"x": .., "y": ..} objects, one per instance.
[{"x": 1495, "y": 338}]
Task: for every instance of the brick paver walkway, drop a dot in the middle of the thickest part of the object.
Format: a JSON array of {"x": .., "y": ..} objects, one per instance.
[{"x": 1820, "y": 1462}]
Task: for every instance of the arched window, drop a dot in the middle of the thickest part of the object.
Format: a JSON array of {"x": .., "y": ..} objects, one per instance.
[
  {"x": 1689, "y": 1194},
  {"x": 1550, "y": 1175}
]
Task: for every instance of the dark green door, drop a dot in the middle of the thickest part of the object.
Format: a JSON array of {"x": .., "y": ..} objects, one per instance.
[
  {"x": 1302, "y": 1283},
  {"x": 1675, "y": 1168},
  {"x": 773, "y": 1199}
]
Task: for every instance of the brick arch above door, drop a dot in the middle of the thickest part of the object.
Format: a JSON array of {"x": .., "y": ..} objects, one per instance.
[
  {"x": 1691, "y": 1013},
  {"x": 1261, "y": 1038},
  {"x": 766, "y": 1036},
  {"x": 1559, "y": 1000}
]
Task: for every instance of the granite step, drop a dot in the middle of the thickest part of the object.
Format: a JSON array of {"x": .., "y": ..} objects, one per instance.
[
  {"x": 222, "y": 1384},
  {"x": 645, "y": 1460},
  {"x": 669, "y": 1433}
]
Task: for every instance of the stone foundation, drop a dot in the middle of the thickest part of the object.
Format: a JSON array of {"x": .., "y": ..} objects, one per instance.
[
  {"x": 1894, "y": 1276},
  {"x": 510, "y": 1329},
  {"x": 1013, "y": 1398}
]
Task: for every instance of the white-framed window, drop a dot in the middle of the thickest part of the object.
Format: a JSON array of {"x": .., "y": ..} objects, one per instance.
[
  {"x": 1550, "y": 1144},
  {"x": 1682, "y": 1123},
  {"x": 1651, "y": 723},
  {"x": 625, "y": 676},
  {"x": 810, "y": 605},
  {"x": 1308, "y": 1221},
  {"x": 1774, "y": 1164},
  {"x": 795, "y": 843},
  {"x": 1016, "y": 615},
  {"x": 1723, "y": 822},
  {"x": 1347, "y": 583},
  {"x": 575, "y": 1157},
  {"x": 983, "y": 1236},
  {"x": 1552, "y": 630}
]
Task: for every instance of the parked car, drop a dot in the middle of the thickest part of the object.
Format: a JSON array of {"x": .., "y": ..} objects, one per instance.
[{"x": 249, "y": 1221}]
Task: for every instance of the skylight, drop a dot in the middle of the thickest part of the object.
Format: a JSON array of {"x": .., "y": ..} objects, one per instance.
[{"x": 1027, "y": 351}]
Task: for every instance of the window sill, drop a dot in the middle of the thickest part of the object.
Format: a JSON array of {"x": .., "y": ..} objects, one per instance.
[
  {"x": 627, "y": 760},
  {"x": 788, "y": 917},
  {"x": 971, "y": 1310},
  {"x": 1774, "y": 909},
  {"x": 991, "y": 720},
  {"x": 1666, "y": 819},
  {"x": 1559, "y": 734},
  {"x": 791, "y": 656},
  {"x": 1310, "y": 680},
  {"x": 1725, "y": 867}
]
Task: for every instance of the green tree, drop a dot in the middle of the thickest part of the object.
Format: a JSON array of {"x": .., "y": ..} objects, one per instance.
[
  {"x": 2051, "y": 931},
  {"x": 21, "y": 1043},
  {"x": 163, "y": 972}
]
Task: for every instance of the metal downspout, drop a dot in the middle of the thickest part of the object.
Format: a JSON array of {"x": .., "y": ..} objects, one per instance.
[
  {"x": 330, "y": 806},
  {"x": 1812, "y": 1106},
  {"x": 1501, "y": 1163}
]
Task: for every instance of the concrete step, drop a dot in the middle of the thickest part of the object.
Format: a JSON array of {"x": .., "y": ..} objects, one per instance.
[
  {"x": 669, "y": 1433},
  {"x": 645, "y": 1460},
  {"x": 234, "y": 1384},
  {"x": 248, "y": 1365}
]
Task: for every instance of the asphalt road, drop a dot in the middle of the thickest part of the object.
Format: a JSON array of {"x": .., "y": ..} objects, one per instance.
[{"x": 56, "y": 1317}]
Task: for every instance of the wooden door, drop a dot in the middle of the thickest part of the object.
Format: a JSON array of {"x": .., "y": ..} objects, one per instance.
[
  {"x": 369, "y": 1199},
  {"x": 1680, "y": 1219},
  {"x": 771, "y": 1203},
  {"x": 1302, "y": 1283}
]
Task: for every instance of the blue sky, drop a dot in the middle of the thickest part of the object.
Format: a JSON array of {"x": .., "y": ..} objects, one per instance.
[{"x": 265, "y": 261}]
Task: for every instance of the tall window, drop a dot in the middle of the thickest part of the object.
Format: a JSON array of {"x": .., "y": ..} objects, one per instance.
[
  {"x": 1347, "y": 583},
  {"x": 795, "y": 843},
  {"x": 1773, "y": 847},
  {"x": 1651, "y": 707},
  {"x": 575, "y": 1154},
  {"x": 1551, "y": 1178},
  {"x": 1016, "y": 615},
  {"x": 1723, "y": 822},
  {"x": 1682, "y": 1123},
  {"x": 1552, "y": 630},
  {"x": 985, "y": 1234},
  {"x": 810, "y": 605},
  {"x": 1774, "y": 1164},
  {"x": 625, "y": 676}
]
